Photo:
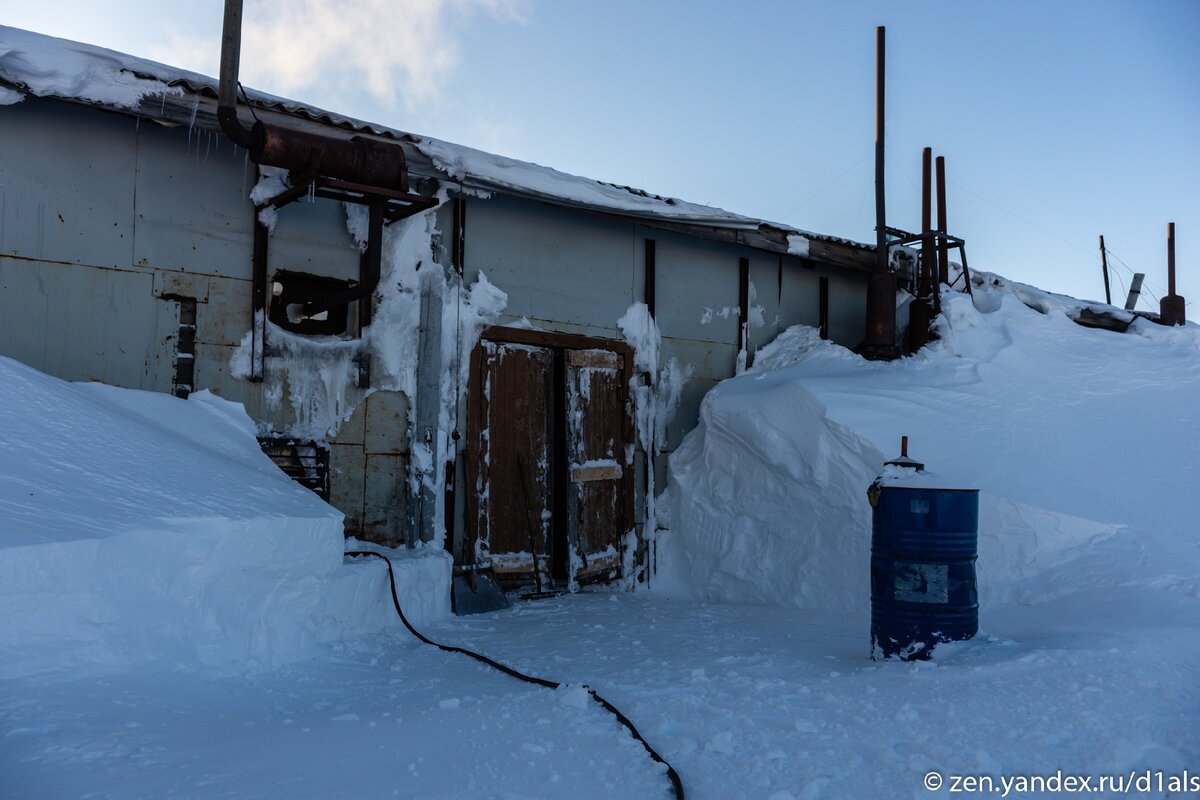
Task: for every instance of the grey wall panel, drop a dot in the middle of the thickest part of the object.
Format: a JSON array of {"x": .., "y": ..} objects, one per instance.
[
  {"x": 86, "y": 323},
  {"x": 193, "y": 211},
  {"x": 225, "y": 318},
  {"x": 801, "y": 296},
  {"x": 385, "y": 506},
  {"x": 347, "y": 463},
  {"x": 212, "y": 373},
  {"x": 555, "y": 264},
  {"x": 691, "y": 275},
  {"x": 66, "y": 183},
  {"x": 764, "y": 277},
  {"x": 609, "y": 332},
  {"x": 847, "y": 309},
  {"x": 386, "y": 428},
  {"x": 708, "y": 360},
  {"x": 688, "y": 413},
  {"x": 311, "y": 237}
]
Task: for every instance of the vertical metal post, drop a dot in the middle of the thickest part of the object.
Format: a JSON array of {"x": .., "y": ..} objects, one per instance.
[
  {"x": 744, "y": 307},
  {"x": 919, "y": 314},
  {"x": 458, "y": 247},
  {"x": 943, "y": 263},
  {"x": 258, "y": 299},
  {"x": 650, "y": 270},
  {"x": 823, "y": 307},
  {"x": 1104, "y": 267},
  {"x": 880, "y": 342}
]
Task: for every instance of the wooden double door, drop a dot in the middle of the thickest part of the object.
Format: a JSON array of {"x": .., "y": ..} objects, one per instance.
[{"x": 551, "y": 455}]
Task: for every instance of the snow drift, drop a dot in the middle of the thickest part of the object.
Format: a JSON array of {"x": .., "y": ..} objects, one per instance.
[
  {"x": 135, "y": 526},
  {"x": 1058, "y": 425}
]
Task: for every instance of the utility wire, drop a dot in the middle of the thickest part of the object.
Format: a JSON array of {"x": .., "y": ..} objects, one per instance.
[
  {"x": 818, "y": 192},
  {"x": 672, "y": 775}
]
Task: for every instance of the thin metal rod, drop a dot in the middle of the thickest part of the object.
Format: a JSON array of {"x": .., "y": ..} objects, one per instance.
[
  {"x": 943, "y": 245},
  {"x": 1104, "y": 266}
]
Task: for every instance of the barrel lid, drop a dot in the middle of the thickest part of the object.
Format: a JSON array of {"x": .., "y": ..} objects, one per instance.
[{"x": 895, "y": 477}]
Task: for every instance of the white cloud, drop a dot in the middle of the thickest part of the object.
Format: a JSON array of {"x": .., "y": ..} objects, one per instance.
[{"x": 399, "y": 52}]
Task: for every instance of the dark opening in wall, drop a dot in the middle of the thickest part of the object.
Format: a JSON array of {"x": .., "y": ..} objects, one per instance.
[
  {"x": 305, "y": 462},
  {"x": 292, "y": 292}
]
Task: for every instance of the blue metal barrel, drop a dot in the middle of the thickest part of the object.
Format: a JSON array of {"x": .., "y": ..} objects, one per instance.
[{"x": 923, "y": 548}]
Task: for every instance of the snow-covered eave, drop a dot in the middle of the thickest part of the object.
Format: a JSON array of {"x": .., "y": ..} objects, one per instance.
[{"x": 45, "y": 66}]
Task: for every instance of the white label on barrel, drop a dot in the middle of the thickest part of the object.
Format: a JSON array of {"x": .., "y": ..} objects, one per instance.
[
  {"x": 921, "y": 583},
  {"x": 918, "y": 506}
]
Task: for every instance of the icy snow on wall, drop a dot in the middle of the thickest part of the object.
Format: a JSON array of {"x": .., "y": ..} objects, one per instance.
[
  {"x": 654, "y": 403},
  {"x": 1055, "y": 423},
  {"x": 318, "y": 374}
]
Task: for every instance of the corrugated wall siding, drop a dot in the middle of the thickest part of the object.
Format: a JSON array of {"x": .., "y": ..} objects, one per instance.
[{"x": 104, "y": 219}]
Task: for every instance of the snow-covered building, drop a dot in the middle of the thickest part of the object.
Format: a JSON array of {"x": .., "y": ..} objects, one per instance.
[{"x": 532, "y": 337}]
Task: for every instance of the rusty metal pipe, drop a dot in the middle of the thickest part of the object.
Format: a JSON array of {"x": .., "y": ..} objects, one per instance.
[
  {"x": 880, "y": 342},
  {"x": 231, "y": 55},
  {"x": 1171, "y": 258},
  {"x": 1172, "y": 308},
  {"x": 358, "y": 159}
]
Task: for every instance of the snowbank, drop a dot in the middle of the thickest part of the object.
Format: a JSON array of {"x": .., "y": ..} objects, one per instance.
[
  {"x": 1060, "y": 426},
  {"x": 137, "y": 526}
]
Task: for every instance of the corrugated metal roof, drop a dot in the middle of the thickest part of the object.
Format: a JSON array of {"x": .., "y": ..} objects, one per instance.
[{"x": 50, "y": 67}]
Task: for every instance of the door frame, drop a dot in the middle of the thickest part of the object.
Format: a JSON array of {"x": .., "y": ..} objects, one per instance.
[{"x": 476, "y": 411}]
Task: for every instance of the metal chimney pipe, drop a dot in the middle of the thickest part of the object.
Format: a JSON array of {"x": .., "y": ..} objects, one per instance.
[
  {"x": 1172, "y": 309},
  {"x": 880, "y": 341},
  {"x": 231, "y": 55},
  {"x": 1170, "y": 258}
]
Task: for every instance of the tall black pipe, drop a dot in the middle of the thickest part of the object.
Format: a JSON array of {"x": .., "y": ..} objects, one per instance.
[
  {"x": 881, "y": 253},
  {"x": 880, "y": 342}
]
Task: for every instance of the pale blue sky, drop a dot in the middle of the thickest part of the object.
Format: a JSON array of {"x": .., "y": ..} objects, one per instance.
[{"x": 1059, "y": 120}]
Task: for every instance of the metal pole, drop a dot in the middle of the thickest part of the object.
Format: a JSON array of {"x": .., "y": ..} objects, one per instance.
[
  {"x": 1104, "y": 266},
  {"x": 943, "y": 246},
  {"x": 880, "y": 342},
  {"x": 919, "y": 314},
  {"x": 881, "y": 254}
]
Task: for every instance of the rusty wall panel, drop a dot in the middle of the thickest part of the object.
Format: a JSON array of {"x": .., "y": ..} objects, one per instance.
[
  {"x": 385, "y": 506},
  {"x": 387, "y": 423},
  {"x": 347, "y": 463}
]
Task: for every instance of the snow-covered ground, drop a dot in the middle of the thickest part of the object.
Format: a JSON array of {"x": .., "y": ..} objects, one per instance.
[{"x": 747, "y": 664}]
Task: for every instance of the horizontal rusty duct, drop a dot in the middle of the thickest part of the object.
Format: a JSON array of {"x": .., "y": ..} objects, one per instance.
[{"x": 373, "y": 162}]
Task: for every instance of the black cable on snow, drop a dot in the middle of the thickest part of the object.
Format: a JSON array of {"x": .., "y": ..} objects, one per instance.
[{"x": 672, "y": 775}]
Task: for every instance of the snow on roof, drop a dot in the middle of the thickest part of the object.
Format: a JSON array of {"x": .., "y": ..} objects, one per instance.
[{"x": 45, "y": 66}]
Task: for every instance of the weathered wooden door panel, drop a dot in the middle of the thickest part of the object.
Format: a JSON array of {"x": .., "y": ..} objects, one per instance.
[
  {"x": 552, "y": 408},
  {"x": 596, "y": 438},
  {"x": 516, "y": 447}
]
